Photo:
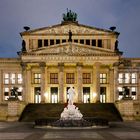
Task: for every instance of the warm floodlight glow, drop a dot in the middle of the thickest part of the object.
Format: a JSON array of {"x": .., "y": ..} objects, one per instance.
[
  {"x": 46, "y": 94},
  {"x": 94, "y": 95}
]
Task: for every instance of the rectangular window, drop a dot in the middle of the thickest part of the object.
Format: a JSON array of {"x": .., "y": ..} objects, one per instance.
[
  {"x": 93, "y": 42},
  {"x": 87, "y": 42},
  {"x": 120, "y": 79},
  {"x": 51, "y": 42},
  {"x": 86, "y": 78},
  {"x": 103, "y": 78},
  {"x": 76, "y": 40},
  {"x": 45, "y": 42},
  {"x": 37, "y": 78},
  {"x": 99, "y": 43},
  {"x": 13, "y": 78},
  {"x": 54, "y": 78},
  {"x": 133, "y": 92},
  {"x": 6, "y": 93},
  {"x": 63, "y": 40},
  {"x": 39, "y": 43},
  {"x": 126, "y": 78},
  {"x": 70, "y": 78},
  {"x": 81, "y": 41},
  {"x": 133, "y": 78},
  {"x": 19, "y": 78},
  {"x": 57, "y": 41},
  {"x": 120, "y": 90},
  {"x": 86, "y": 94},
  {"x": 54, "y": 94},
  {"x": 6, "y": 78}
]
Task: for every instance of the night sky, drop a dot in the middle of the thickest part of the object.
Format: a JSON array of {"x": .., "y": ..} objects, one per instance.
[{"x": 124, "y": 14}]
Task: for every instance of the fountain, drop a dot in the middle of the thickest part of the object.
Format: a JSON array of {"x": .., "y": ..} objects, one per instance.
[{"x": 72, "y": 117}]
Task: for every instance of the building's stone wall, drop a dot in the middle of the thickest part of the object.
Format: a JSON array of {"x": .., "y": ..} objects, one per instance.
[
  {"x": 137, "y": 110},
  {"x": 129, "y": 109},
  {"x": 3, "y": 111}
]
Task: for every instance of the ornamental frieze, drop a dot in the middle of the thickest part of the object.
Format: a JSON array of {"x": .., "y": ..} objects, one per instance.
[
  {"x": 71, "y": 50},
  {"x": 65, "y": 29}
]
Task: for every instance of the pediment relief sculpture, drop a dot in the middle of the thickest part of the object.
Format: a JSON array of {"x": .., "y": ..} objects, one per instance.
[
  {"x": 64, "y": 29},
  {"x": 71, "y": 49}
]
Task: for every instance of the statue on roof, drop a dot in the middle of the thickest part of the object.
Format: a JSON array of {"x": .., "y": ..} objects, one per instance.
[
  {"x": 70, "y": 16},
  {"x": 70, "y": 36}
]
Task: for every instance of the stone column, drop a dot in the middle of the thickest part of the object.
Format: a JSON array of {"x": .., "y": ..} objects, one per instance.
[
  {"x": 96, "y": 80},
  {"x": 79, "y": 82},
  {"x": 28, "y": 84},
  {"x": 43, "y": 79},
  {"x": 61, "y": 82},
  {"x": 24, "y": 79},
  {"x": 111, "y": 84},
  {"x": 116, "y": 84}
]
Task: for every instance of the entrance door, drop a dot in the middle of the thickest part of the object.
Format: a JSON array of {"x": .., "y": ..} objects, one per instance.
[
  {"x": 54, "y": 94},
  {"x": 102, "y": 94},
  {"x": 37, "y": 93},
  {"x": 86, "y": 94}
]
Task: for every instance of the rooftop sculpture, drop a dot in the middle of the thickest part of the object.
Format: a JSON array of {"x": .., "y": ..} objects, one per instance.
[{"x": 70, "y": 16}]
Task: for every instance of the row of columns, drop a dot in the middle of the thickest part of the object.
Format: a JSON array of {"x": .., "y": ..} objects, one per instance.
[
  {"x": 96, "y": 77},
  {"x": 26, "y": 71}
]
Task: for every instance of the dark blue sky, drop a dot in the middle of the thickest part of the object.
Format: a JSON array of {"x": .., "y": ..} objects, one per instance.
[{"x": 124, "y": 14}]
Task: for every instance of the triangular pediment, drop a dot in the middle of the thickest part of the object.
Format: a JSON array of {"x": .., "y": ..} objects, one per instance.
[
  {"x": 64, "y": 29},
  {"x": 71, "y": 49}
]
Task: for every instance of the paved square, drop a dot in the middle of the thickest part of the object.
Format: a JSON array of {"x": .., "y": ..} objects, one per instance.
[
  {"x": 26, "y": 131},
  {"x": 71, "y": 134},
  {"x": 127, "y": 135},
  {"x": 13, "y": 136}
]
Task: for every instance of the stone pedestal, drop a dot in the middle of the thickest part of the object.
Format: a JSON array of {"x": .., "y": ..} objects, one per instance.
[
  {"x": 15, "y": 108},
  {"x": 126, "y": 108}
]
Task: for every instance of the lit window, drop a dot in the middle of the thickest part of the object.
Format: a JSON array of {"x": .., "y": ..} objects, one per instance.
[
  {"x": 6, "y": 78},
  {"x": 86, "y": 78},
  {"x": 133, "y": 92},
  {"x": 126, "y": 78},
  {"x": 103, "y": 78},
  {"x": 37, "y": 78},
  {"x": 70, "y": 78},
  {"x": 120, "y": 78},
  {"x": 86, "y": 94},
  {"x": 54, "y": 78},
  {"x": 13, "y": 78},
  {"x": 6, "y": 93},
  {"x": 120, "y": 89},
  {"x": 133, "y": 78},
  {"x": 20, "y": 93},
  {"x": 54, "y": 94},
  {"x": 19, "y": 80}
]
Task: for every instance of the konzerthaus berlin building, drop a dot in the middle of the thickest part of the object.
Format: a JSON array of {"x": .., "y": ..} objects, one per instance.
[{"x": 57, "y": 57}]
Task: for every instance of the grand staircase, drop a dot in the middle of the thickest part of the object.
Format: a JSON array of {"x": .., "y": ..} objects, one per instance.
[{"x": 107, "y": 111}]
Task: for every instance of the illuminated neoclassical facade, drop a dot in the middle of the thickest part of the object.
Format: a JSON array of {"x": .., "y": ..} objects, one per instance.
[{"x": 70, "y": 54}]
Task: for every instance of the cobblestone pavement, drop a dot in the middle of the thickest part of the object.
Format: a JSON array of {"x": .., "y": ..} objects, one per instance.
[{"x": 26, "y": 131}]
